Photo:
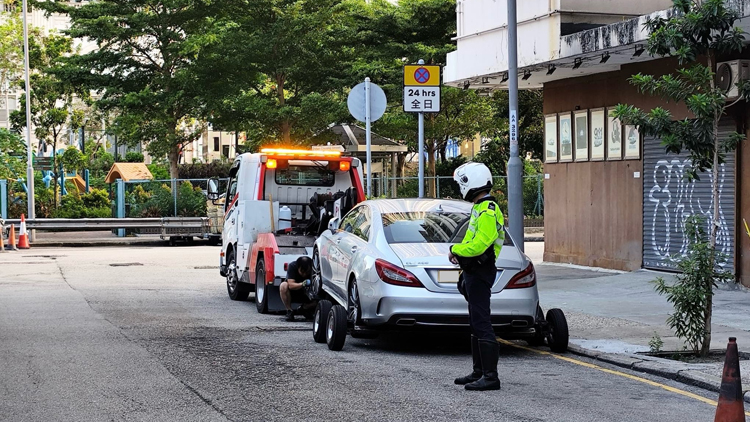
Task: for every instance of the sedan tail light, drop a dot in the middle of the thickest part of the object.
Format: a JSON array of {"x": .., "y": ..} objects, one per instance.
[
  {"x": 398, "y": 276},
  {"x": 526, "y": 278}
]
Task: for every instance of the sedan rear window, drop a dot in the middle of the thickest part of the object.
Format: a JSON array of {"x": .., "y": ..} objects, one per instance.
[{"x": 426, "y": 227}]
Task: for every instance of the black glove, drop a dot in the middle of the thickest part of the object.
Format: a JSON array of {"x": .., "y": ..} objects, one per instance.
[{"x": 462, "y": 286}]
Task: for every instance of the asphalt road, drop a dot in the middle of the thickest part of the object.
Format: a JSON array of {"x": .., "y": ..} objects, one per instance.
[{"x": 155, "y": 337}]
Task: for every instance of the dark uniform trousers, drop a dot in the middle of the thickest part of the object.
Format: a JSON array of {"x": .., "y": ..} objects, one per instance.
[{"x": 476, "y": 285}]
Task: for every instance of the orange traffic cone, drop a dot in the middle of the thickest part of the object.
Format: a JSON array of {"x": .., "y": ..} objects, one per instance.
[
  {"x": 731, "y": 407},
  {"x": 12, "y": 238},
  {"x": 23, "y": 237}
]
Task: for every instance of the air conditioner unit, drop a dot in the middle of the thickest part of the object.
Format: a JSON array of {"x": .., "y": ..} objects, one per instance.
[{"x": 728, "y": 74}]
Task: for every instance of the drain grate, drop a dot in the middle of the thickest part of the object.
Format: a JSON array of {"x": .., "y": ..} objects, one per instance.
[{"x": 126, "y": 264}]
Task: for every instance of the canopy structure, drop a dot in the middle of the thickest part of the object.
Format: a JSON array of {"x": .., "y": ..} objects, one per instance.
[{"x": 128, "y": 172}]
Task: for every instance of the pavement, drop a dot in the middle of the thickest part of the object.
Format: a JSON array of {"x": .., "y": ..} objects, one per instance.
[
  {"x": 614, "y": 315},
  {"x": 148, "y": 333}
]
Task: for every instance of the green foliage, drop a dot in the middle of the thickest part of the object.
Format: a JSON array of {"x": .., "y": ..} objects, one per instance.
[
  {"x": 283, "y": 68},
  {"x": 157, "y": 200},
  {"x": 52, "y": 96},
  {"x": 697, "y": 29},
  {"x": 159, "y": 171},
  {"x": 656, "y": 343},
  {"x": 133, "y": 157},
  {"x": 12, "y": 155},
  {"x": 142, "y": 66},
  {"x": 94, "y": 204},
  {"x": 72, "y": 159},
  {"x": 692, "y": 293},
  {"x": 205, "y": 170}
]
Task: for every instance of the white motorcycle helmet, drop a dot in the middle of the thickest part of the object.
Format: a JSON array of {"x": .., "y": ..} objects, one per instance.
[{"x": 473, "y": 178}]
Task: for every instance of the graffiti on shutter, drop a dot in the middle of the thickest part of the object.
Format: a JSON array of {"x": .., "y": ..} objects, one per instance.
[{"x": 669, "y": 198}]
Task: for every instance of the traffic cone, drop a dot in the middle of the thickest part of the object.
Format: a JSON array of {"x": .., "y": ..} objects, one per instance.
[
  {"x": 12, "y": 238},
  {"x": 731, "y": 407},
  {"x": 23, "y": 237}
]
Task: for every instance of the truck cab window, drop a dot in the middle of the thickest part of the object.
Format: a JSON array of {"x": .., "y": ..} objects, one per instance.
[{"x": 231, "y": 191}]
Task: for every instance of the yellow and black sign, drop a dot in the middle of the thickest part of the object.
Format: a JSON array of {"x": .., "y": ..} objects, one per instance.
[{"x": 421, "y": 75}]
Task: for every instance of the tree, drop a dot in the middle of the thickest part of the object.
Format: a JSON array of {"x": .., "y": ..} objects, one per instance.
[
  {"x": 12, "y": 155},
  {"x": 52, "y": 98},
  {"x": 277, "y": 68},
  {"x": 11, "y": 52},
  {"x": 695, "y": 34},
  {"x": 143, "y": 66}
]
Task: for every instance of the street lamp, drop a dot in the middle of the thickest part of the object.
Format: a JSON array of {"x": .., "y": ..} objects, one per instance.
[{"x": 29, "y": 158}]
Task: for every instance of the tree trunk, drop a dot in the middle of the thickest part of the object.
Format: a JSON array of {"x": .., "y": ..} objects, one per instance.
[
  {"x": 430, "y": 147},
  {"x": 400, "y": 167},
  {"x": 705, "y": 346},
  {"x": 286, "y": 127},
  {"x": 174, "y": 159}
]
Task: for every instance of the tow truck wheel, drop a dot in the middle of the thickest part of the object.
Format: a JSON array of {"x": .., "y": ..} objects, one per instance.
[
  {"x": 336, "y": 328},
  {"x": 261, "y": 298},
  {"x": 320, "y": 319},
  {"x": 557, "y": 338},
  {"x": 236, "y": 289}
]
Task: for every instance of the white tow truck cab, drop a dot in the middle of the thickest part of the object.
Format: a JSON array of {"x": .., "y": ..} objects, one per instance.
[{"x": 277, "y": 203}]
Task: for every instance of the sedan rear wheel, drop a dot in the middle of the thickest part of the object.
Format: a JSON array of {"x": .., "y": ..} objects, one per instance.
[
  {"x": 317, "y": 279},
  {"x": 336, "y": 328},
  {"x": 320, "y": 321}
]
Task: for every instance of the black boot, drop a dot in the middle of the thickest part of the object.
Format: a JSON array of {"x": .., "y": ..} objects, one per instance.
[
  {"x": 489, "y": 352},
  {"x": 290, "y": 315},
  {"x": 477, "y": 373}
]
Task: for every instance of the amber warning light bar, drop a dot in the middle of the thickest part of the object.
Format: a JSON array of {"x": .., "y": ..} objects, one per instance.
[{"x": 300, "y": 152}]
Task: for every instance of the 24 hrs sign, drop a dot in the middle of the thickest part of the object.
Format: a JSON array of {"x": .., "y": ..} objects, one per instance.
[{"x": 421, "y": 89}]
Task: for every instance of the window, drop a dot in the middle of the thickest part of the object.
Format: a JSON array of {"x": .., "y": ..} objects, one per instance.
[
  {"x": 216, "y": 143},
  {"x": 225, "y": 151},
  {"x": 349, "y": 221},
  {"x": 361, "y": 225},
  {"x": 231, "y": 191},
  {"x": 305, "y": 176},
  {"x": 427, "y": 227}
]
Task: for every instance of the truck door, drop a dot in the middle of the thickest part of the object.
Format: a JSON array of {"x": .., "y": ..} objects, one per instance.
[{"x": 230, "y": 212}]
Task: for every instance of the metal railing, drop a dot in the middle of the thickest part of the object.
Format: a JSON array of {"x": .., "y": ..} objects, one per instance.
[{"x": 166, "y": 227}]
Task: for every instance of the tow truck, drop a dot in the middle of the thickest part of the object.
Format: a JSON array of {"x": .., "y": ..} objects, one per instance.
[{"x": 277, "y": 203}]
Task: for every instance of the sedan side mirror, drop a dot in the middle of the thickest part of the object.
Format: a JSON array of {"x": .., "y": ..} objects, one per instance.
[
  {"x": 333, "y": 225},
  {"x": 213, "y": 189}
]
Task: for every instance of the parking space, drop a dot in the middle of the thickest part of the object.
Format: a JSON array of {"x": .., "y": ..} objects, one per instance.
[{"x": 150, "y": 334}]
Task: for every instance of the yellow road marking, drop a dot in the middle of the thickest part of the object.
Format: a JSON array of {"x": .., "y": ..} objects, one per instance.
[{"x": 618, "y": 373}]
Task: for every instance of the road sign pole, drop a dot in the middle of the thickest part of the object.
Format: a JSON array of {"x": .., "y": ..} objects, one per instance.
[
  {"x": 421, "y": 149},
  {"x": 515, "y": 165},
  {"x": 421, "y": 155},
  {"x": 29, "y": 166},
  {"x": 368, "y": 137}
]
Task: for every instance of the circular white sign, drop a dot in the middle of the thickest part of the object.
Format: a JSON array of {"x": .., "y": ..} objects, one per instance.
[{"x": 356, "y": 102}]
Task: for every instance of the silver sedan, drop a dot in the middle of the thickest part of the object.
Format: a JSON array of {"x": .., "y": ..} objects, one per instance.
[{"x": 386, "y": 263}]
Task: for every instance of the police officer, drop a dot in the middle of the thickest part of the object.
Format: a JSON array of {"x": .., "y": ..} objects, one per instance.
[{"x": 476, "y": 255}]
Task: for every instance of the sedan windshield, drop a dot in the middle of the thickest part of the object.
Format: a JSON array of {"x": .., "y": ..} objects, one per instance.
[{"x": 425, "y": 227}]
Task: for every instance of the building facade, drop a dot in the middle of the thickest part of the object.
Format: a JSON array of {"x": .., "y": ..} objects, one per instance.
[{"x": 613, "y": 198}]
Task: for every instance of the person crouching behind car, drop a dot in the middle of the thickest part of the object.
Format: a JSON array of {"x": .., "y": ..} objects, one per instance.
[
  {"x": 298, "y": 277},
  {"x": 476, "y": 256}
]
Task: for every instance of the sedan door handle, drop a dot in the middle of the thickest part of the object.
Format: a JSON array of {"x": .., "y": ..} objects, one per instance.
[
  {"x": 338, "y": 240},
  {"x": 354, "y": 249}
]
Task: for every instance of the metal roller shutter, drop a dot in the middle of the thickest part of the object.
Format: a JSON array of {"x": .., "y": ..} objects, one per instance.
[{"x": 669, "y": 198}]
